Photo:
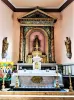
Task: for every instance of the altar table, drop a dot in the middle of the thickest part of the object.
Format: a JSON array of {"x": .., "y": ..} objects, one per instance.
[{"x": 25, "y": 76}]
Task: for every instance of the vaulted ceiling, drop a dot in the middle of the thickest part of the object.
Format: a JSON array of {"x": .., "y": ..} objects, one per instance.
[{"x": 48, "y": 5}]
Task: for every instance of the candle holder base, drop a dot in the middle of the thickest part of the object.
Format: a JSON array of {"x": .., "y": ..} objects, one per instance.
[
  {"x": 57, "y": 84},
  {"x": 3, "y": 87},
  {"x": 70, "y": 89},
  {"x": 16, "y": 85}
]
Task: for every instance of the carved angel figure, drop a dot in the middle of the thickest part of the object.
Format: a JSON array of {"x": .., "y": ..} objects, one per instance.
[{"x": 4, "y": 47}]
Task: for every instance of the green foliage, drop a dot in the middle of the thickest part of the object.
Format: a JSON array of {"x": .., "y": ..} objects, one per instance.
[
  {"x": 14, "y": 69},
  {"x": 8, "y": 77},
  {"x": 1, "y": 79}
]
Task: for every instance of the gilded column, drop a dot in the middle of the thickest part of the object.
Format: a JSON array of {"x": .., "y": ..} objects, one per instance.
[
  {"x": 21, "y": 44},
  {"x": 49, "y": 44},
  {"x": 24, "y": 46},
  {"x": 52, "y": 44}
]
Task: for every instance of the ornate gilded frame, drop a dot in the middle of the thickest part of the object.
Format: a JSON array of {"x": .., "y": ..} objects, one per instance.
[{"x": 45, "y": 23}]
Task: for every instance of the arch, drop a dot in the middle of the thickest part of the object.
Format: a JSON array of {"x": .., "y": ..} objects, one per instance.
[{"x": 28, "y": 42}]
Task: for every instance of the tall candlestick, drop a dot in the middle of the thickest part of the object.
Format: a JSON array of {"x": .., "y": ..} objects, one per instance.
[
  {"x": 70, "y": 87},
  {"x": 57, "y": 83}
]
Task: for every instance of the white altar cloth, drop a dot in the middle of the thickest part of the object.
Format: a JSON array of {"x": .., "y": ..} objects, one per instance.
[
  {"x": 36, "y": 73},
  {"x": 30, "y": 73}
]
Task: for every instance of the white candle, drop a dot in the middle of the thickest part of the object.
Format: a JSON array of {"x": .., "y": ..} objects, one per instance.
[
  {"x": 69, "y": 69},
  {"x": 56, "y": 67},
  {"x": 4, "y": 70}
]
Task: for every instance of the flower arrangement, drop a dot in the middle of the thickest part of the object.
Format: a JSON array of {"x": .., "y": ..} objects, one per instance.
[
  {"x": 5, "y": 70},
  {"x": 1, "y": 75}
]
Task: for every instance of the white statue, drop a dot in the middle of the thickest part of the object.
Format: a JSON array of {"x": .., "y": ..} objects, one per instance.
[{"x": 36, "y": 62}]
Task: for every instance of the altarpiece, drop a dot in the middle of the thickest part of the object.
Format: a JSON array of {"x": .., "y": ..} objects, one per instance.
[{"x": 37, "y": 24}]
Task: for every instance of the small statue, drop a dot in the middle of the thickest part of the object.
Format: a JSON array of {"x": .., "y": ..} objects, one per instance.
[
  {"x": 36, "y": 43},
  {"x": 68, "y": 47},
  {"x": 4, "y": 47}
]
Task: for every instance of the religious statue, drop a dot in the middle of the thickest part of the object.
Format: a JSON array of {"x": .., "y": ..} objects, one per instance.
[
  {"x": 4, "y": 47},
  {"x": 36, "y": 43},
  {"x": 68, "y": 47}
]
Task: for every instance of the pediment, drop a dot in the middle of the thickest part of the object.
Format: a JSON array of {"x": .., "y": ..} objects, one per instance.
[
  {"x": 37, "y": 13},
  {"x": 36, "y": 17}
]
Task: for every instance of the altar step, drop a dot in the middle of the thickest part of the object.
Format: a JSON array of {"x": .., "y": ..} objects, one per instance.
[{"x": 36, "y": 89}]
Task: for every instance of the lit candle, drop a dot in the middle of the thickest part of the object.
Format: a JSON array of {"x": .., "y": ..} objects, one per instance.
[{"x": 69, "y": 69}]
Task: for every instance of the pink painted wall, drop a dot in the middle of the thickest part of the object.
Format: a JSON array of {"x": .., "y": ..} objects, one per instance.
[
  {"x": 10, "y": 27},
  {"x": 6, "y": 29},
  {"x": 64, "y": 28},
  {"x": 16, "y": 35}
]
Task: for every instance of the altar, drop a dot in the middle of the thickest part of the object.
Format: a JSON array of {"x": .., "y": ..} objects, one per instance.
[{"x": 36, "y": 78}]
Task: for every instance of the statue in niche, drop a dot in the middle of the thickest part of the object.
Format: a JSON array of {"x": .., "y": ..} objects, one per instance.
[
  {"x": 4, "y": 47},
  {"x": 36, "y": 43},
  {"x": 68, "y": 47}
]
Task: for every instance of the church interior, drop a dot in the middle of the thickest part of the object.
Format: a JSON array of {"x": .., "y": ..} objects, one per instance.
[{"x": 36, "y": 49}]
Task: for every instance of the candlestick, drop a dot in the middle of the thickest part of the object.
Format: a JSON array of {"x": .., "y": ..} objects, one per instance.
[
  {"x": 57, "y": 83},
  {"x": 70, "y": 87},
  {"x": 17, "y": 83},
  {"x": 3, "y": 84}
]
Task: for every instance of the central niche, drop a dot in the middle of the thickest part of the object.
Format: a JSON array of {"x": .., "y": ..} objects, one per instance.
[{"x": 37, "y": 44}]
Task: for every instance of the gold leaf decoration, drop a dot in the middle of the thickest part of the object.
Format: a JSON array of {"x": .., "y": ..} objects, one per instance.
[{"x": 37, "y": 79}]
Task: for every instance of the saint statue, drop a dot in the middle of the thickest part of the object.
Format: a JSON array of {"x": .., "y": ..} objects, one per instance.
[
  {"x": 36, "y": 47},
  {"x": 68, "y": 47},
  {"x": 4, "y": 47},
  {"x": 36, "y": 43}
]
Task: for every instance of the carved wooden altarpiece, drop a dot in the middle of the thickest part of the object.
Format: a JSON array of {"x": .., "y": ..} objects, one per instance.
[{"x": 37, "y": 21}]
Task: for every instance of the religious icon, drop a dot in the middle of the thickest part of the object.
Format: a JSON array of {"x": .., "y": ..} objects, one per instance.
[
  {"x": 36, "y": 65},
  {"x": 68, "y": 47},
  {"x": 4, "y": 47}
]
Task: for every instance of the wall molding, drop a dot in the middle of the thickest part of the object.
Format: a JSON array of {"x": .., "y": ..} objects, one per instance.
[{"x": 33, "y": 8}]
